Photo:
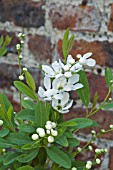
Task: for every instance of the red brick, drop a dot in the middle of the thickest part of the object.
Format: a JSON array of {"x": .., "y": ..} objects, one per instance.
[
  {"x": 40, "y": 47},
  {"x": 12, "y": 46},
  {"x": 111, "y": 158},
  {"x": 110, "y": 22},
  {"x": 102, "y": 51},
  {"x": 82, "y": 17},
  {"x": 96, "y": 84},
  {"x": 22, "y": 13},
  {"x": 104, "y": 118}
]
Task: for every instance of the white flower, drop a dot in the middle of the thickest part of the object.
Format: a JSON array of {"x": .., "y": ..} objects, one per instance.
[
  {"x": 35, "y": 136},
  {"x": 85, "y": 60},
  {"x": 1, "y": 122},
  {"x": 21, "y": 77},
  {"x": 54, "y": 132},
  {"x": 50, "y": 139},
  {"x": 98, "y": 161},
  {"x": 62, "y": 103}
]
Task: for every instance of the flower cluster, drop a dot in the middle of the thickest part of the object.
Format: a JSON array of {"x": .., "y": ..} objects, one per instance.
[
  {"x": 50, "y": 132},
  {"x": 62, "y": 78}
]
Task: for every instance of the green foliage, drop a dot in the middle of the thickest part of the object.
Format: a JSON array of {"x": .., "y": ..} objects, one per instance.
[
  {"x": 67, "y": 43},
  {"x": 30, "y": 80},
  {"x": 84, "y": 93},
  {"x": 108, "y": 76},
  {"x": 108, "y": 105},
  {"x": 4, "y": 42},
  {"x": 27, "y": 167}
]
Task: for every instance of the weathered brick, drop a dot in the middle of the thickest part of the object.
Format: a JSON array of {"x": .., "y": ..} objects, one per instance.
[
  {"x": 12, "y": 46},
  {"x": 104, "y": 118},
  {"x": 96, "y": 84},
  {"x": 110, "y": 21},
  {"x": 102, "y": 51},
  {"x": 9, "y": 73},
  {"x": 40, "y": 47},
  {"x": 22, "y": 13},
  {"x": 111, "y": 158},
  {"x": 82, "y": 17}
]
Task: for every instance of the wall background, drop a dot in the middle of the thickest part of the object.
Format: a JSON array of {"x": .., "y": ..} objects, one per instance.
[{"x": 44, "y": 23}]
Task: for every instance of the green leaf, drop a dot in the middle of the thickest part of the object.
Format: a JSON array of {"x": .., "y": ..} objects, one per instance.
[
  {"x": 10, "y": 158},
  {"x": 18, "y": 138},
  {"x": 73, "y": 142},
  {"x": 70, "y": 44},
  {"x": 95, "y": 101},
  {"x": 26, "y": 128},
  {"x": 7, "y": 40},
  {"x": 65, "y": 43},
  {"x": 29, "y": 156},
  {"x": 27, "y": 167},
  {"x": 30, "y": 80},
  {"x": 4, "y": 132},
  {"x": 4, "y": 143},
  {"x": 28, "y": 104},
  {"x": 26, "y": 90},
  {"x": 108, "y": 76},
  {"x": 42, "y": 156},
  {"x": 26, "y": 114},
  {"x": 1, "y": 40},
  {"x": 3, "y": 50},
  {"x": 84, "y": 92},
  {"x": 80, "y": 165},
  {"x": 67, "y": 124},
  {"x": 62, "y": 140},
  {"x": 108, "y": 105},
  {"x": 58, "y": 156},
  {"x": 40, "y": 114}
]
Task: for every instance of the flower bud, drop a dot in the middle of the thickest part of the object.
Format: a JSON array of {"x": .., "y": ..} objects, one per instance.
[
  {"x": 74, "y": 168},
  {"x": 111, "y": 126},
  {"x": 50, "y": 139},
  {"x": 18, "y": 46},
  {"x": 54, "y": 132},
  {"x": 35, "y": 136},
  {"x": 25, "y": 98},
  {"x": 48, "y": 122},
  {"x": 89, "y": 162},
  {"x": 88, "y": 166},
  {"x": 79, "y": 149},
  {"x": 20, "y": 34},
  {"x": 67, "y": 74},
  {"x": 53, "y": 125},
  {"x": 48, "y": 132},
  {"x": 42, "y": 133},
  {"x": 98, "y": 161},
  {"x": 48, "y": 126},
  {"x": 66, "y": 67},
  {"x": 98, "y": 151},
  {"x": 20, "y": 56},
  {"x": 21, "y": 77},
  {"x": 24, "y": 69},
  {"x": 90, "y": 148},
  {"x": 103, "y": 130},
  {"x": 78, "y": 55},
  {"x": 1, "y": 122},
  {"x": 39, "y": 129}
]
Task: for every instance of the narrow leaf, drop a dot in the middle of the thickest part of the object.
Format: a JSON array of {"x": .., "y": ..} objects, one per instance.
[
  {"x": 30, "y": 80},
  {"x": 65, "y": 43},
  {"x": 26, "y": 114},
  {"x": 10, "y": 158},
  {"x": 108, "y": 76}
]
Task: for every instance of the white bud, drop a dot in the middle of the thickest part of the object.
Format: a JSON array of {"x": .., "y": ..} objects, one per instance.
[
  {"x": 74, "y": 168},
  {"x": 105, "y": 150},
  {"x": 50, "y": 139},
  {"x": 22, "y": 42},
  {"x": 24, "y": 69},
  {"x": 98, "y": 151},
  {"x": 111, "y": 126},
  {"x": 48, "y": 132},
  {"x": 88, "y": 166},
  {"x": 89, "y": 162},
  {"x": 98, "y": 161},
  {"x": 25, "y": 98},
  {"x": 103, "y": 130},
  {"x": 48, "y": 126},
  {"x": 48, "y": 122},
  {"x": 20, "y": 34},
  {"x": 54, "y": 132},
  {"x": 21, "y": 77},
  {"x": 66, "y": 67},
  {"x": 35, "y": 136},
  {"x": 79, "y": 149},
  {"x": 39, "y": 130},
  {"x": 78, "y": 55},
  {"x": 90, "y": 148},
  {"x": 93, "y": 132},
  {"x": 18, "y": 46},
  {"x": 1, "y": 122},
  {"x": 20, "y": 56},
  {"x": 53, "y": 125},
  {"x": 68, "y": 74},
  {"x": 4, "y": 150}
]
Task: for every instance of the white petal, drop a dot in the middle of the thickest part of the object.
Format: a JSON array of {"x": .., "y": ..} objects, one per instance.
[
  {"x": 65, "y": 98},
  {"x": 91, "y": 62},
  {"x": 48, "y": 99},
  {"x": 82, "y": 60},
  {"x": 68, "y": 87},
  {"x": 50, "y": 92},
  {"x": 68, "y": 106},
  {"x": 70, "y": 60},
  {"x": 58, "y": 96},
  {"x": 58, "y": 75},
  {"x": 54, "y": 103},
  {"x": 63, "y": 111},
  {"x": 87, "y": 55},
  {"x": 74, "y": 79},
  {"x": 61, "y": 64},
  {"x": 41, "y": 92},
  {"x": 48, "y": 70},
  {"x": 47, "y": 82},
  {"x": 77, "y": 86},
  {"x": 56, "y": 66}
]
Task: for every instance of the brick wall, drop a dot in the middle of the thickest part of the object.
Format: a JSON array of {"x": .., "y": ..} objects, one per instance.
[{"x": 44, "y": 23}]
